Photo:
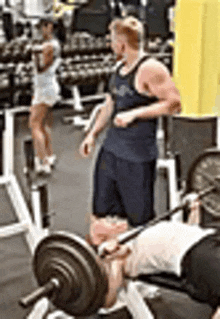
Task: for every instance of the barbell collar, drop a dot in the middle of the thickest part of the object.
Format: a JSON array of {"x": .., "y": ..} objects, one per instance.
[{"x": 50, "y": 287}]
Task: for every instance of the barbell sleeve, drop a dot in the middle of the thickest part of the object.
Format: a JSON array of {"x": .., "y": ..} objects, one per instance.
[{"x": 40, "y": 292}]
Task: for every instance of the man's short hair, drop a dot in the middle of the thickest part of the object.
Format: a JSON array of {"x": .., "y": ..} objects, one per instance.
[{"x": 131, "y": 27}]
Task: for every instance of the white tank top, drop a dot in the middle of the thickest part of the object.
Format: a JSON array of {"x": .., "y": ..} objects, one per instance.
[
  {"x": 48, "y": 78},
  {"x": 162, "y": 247}
]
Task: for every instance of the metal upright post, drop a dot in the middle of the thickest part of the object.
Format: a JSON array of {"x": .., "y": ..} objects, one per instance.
[{"x": 8, "y": 144}]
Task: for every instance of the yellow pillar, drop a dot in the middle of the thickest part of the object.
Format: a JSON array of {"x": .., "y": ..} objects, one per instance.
[
  {"x": 197, "y": 55},
  {"x": 217, "y": 101}
]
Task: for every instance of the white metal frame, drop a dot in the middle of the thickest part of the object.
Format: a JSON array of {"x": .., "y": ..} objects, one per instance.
[
  {"x": 33, "y": 231},
  {"x": 132, "y": 297},
  {"x": 76, "y": 102},
  {"x": 135, "y": 301},
  {"x": 174, "y": 195}
]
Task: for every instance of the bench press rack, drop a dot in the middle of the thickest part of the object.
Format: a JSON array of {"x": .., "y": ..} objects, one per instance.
[{"x": 33, "y": 230}]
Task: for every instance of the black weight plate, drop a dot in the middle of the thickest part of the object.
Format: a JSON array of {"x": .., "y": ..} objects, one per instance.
[
  {"x": 204, "y": 172},
  {"x": 66, "y": 251},
  {"x": 71, "y": 299},
  {"x": 102, "y": 289},
  {"x": 58, "y": 255},
  {"x": 60, "y": 250},
  {"x": 101, "y": 285}
]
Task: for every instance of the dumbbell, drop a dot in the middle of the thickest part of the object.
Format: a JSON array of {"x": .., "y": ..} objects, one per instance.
[
  {"x": 4, "y": 82},
  {"x": 17, "y": 53},
  {"x": 27, "y": 52},
  {"x": 91, "y": 45},
  {"x": 5, "y": 56},
  {"x": 66, "y": 49},
  {"x": 65, "y": 77},
  {"x": 83, "y": 47},
  {"x": 154, "y": 46},
  {"x": 168, "y": 46}
]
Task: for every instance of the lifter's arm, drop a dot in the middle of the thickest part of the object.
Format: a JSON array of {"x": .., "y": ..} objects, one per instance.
[
  {"x": 47, "y": 58},
  {"x": 194, "y": 216},
  {"x": 101, "y": 122},
  {"x": 216, "y": 315},
  {"x": 115, "y": 274},
  {"x": 114, "y": 263}
]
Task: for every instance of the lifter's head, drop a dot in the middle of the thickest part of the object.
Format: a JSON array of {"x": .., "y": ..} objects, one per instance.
[
  {"x": 46, "y": 25},
  {"x": 103, "y": 229},
  {"x": 126, "y": 34}
]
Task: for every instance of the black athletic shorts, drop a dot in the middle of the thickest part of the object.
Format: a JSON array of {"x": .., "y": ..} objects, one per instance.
[
  {"x": 201, "y": 270},
  {"x": 124, "y": 188}
]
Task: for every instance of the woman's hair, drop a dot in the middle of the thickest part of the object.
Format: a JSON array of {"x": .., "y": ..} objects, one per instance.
[{"x": 132, "y": 28}]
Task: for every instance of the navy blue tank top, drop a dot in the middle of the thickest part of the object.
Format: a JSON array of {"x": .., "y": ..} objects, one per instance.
[{"x": 137, "y": 142}]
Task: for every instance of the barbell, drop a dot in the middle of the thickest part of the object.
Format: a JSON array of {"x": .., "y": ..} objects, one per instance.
[{"x": 66, "y": 266}]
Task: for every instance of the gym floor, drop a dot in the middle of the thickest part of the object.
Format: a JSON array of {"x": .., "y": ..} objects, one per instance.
[{"x": 70, "y": 198}]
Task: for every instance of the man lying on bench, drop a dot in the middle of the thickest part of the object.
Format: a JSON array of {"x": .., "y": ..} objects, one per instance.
[{"x": 187, "y": 251}]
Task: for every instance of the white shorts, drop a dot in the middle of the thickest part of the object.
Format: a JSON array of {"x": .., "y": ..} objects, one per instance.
[{"x": 47, "y": 95}]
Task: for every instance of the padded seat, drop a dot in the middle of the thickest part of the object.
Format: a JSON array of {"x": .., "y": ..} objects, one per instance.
[{"x": 165, "y": 280}]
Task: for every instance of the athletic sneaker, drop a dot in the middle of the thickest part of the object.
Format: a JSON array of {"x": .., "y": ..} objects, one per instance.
[
  {"x": 52, "y": 160},
  {"x": 38, "y": 165},
  {"x": 42, "y": 168},
  {"x": 46, "y": 168}
]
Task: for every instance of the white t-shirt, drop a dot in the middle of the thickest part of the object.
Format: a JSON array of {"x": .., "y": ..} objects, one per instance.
[
  {"x": 161, "y": 248},
  {"x": 48, "y": 78}
]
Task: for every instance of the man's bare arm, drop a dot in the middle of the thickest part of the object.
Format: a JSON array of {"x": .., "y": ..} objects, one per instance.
[
  {"x": 103, "y": 117},
  {"x": 155, "y": 79},
  {"x": 158, "y": 82},
  {"x": 101, "y": 121}
]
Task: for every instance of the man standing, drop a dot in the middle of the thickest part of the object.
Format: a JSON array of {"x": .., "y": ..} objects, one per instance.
[
  {"x": 46, "y": 91},
  {"x": 141, "y": 90}
]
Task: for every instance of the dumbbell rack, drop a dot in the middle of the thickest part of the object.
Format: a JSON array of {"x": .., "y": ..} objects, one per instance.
[
  {"x": 85, "y": 69},
  {"x": 77, "y": 103},
  {"x": 32, "y": 230}
]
